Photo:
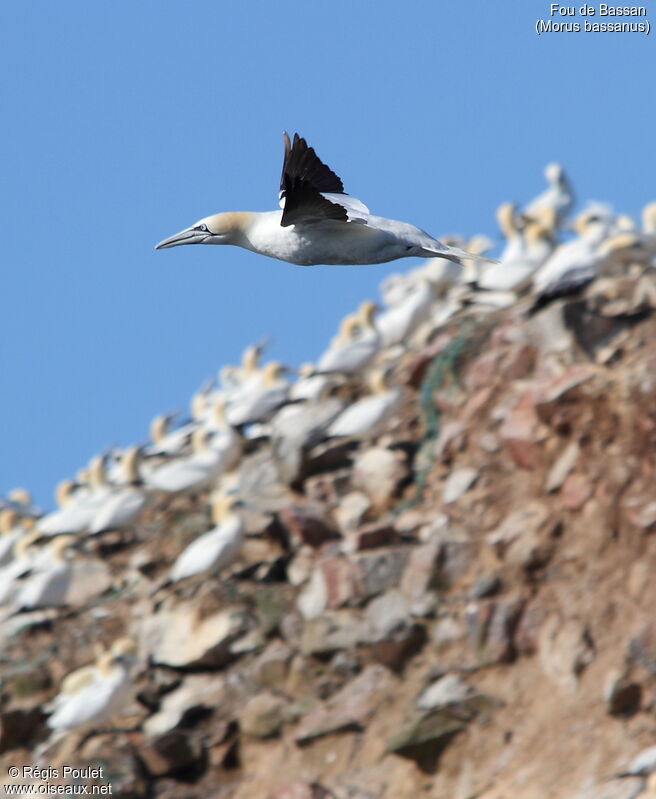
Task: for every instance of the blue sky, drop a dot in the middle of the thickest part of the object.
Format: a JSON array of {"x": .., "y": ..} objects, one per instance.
[{"x": 124, "y": 122}]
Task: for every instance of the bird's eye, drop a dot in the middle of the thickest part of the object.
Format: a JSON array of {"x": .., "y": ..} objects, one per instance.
[{"x": 202, "y": 227}]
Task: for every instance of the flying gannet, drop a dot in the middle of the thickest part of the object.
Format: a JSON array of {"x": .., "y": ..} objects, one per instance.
[{"x": 319, "y": 223}]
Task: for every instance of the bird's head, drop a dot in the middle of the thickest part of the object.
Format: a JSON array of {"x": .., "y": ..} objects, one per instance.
[{"x": 224, "y": 228}]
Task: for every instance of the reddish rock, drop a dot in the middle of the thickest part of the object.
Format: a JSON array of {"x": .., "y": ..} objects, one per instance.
[
  {"x": 527, "y": 522},
  {"x": 519, "y": 362},
  {"x": 483, "y": 371},
  {"x": 522, "y": 431},
  {"x": 300, "y": 789},
  {"x": 421, "y": 570},
  {"x": 641, "y": 511},
  {"x": 350, "y": 708},
  {"x": 400, "y": 640},
  {"x": 340, "y": 579},
  {"x": 371, "y": 536},
  {"x": 453, "y": 435},
  {"x": 308, "y": 523},
  {"x": 528, "y": 629},
  {"x": 576, "y": 490}
]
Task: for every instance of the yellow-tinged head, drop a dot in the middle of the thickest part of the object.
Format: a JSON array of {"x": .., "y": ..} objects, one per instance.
[
  {"x": 366, "y": 313},
  {"x": 124, "y": 647},
  {"x": 224, "y": 228},
  {"x": 273, "y": 372},
  {"x": 199, "y": 441},
  {"x": 64, "y": 492},
  {"x": 649, "y": 218},
  {"x": 379, "y": 381},
  {"x": 306, "y": 369},
  {"x": 8, "y": 520},
  {"x": 507, "y": 219},
  {"x": 198, "y": 406},
  {"x": 219, "y": 413},
  {"x": 221, "y": 507},
  {"x": 250, "y": 359},
  {"x": 59, "y": 545},
  {"x": 348, "y": 328},
  {"x": 130, "y": 464},
  {"x": 546, "y": 218},
  {"x": 25, "y": 542},
  {"x": 20, "y": 495},
  {"x": 97, "y": 475},
  {"x": 159, "y": 427}
]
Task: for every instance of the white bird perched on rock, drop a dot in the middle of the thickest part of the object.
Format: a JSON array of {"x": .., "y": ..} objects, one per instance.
[
  {"x": 319, "y": 223},
  {"x": 260, "y": 396},
  {"x": 509, "y": 224},
  {"x": 98, "y": 693},
  {"x": 300, "y": 425},
  {"x": 310, "y": 385},
  {"x": 573, "y": 264},
  {"x": 368, "y": 416},
  {"x": 49, "y": 584},
  {"x": 10, "y": 531},
  {"x": 20, "y": 500},
  {"x": 558, "y": 196},
  {"x": 633, "y": 246},
  {"x": 513, "y": 273},
  {"x": 25, "y": 557},
  {"x": 216, "y": 549},
  {"x": 77, "y": 503},
  {"x": 233, "y": 378},
  {"x": 188, "y": 471},
  {"x": 401, "y": 320},
  {"x": 166, "y": 441},
  {"x": 124, "y": 502},
  {"x": 355, "y": 345}
]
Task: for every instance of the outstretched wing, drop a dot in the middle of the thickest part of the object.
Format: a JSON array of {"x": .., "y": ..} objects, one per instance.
[{"x": 310, "y": 191}]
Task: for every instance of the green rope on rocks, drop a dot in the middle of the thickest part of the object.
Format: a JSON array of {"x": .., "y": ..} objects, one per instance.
[{"x": 442, "y": 367}]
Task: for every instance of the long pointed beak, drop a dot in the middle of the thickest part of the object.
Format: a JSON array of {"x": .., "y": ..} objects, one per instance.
[{"x": 187, "y": 236}]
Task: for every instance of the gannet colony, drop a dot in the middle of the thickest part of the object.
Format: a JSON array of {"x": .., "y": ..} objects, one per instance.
[{"x": 147, "y": 624}]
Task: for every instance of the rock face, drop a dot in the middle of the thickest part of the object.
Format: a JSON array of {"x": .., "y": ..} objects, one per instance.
[{"x": 461, "y": 607}]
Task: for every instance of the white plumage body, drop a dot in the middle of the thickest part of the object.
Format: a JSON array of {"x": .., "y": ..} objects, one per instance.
[
  {"x": 211, "y": 551},
  {"x": 367, "y": 416}
]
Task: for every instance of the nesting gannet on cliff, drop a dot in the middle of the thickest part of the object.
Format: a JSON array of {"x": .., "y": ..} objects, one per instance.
[
  {"x": 559, "y": 196},
  {"x": 368, "y": 416},
  {"x": 216, "y": 549},
  {"x": 402, "y": 319},
  {"x": 319, "y": 223},
  {"x": 355, "y": 345},
  {"x": 10, "y": 532},
  {"x": 573, "y": 264},
  {"x": 77, "y": 503},
  {"x": 25, "y": 557},
  {"x": 629, "y": 245},
  {"x": 513, "y": 273},
  {"x": 99, "y": 692},
  {"x": 260, "y": 396},
  {"x": 49, "y": 584},
  {"x": 188, "y": 471},
  {"x": 125, "y": 501},
  {"x": 310, "y": 385}
]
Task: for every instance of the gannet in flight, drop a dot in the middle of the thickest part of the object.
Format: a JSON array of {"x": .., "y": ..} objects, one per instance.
[{"x": 319, "y": 223}]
